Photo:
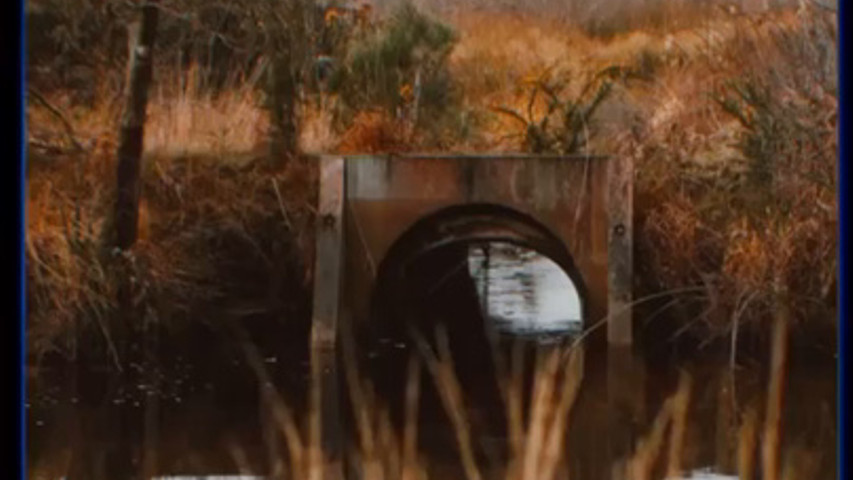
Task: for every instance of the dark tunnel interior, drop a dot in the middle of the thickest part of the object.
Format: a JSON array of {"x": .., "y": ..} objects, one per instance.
[{"x": 425, "y": 286}]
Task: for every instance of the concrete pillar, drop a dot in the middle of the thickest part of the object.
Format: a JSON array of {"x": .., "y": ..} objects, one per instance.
[
  {"x": 620, "y": 258},
  {"x": 324, "y": 427},
  {"x": 626, "y": 405}
]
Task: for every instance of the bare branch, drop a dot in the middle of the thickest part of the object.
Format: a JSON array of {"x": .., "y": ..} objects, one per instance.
[{"x": 69, "y": 130}]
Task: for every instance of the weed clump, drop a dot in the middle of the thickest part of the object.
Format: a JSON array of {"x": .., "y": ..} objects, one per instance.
[
  {"x": 758, "y": 234},
  {"x": 401, "y": 67},
  {"x": 565, "y": 124}
]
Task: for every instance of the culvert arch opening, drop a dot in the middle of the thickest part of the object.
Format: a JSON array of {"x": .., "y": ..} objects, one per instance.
[
  {"x": 481, "y": 260},
  {"x": 486, "y": 275}
]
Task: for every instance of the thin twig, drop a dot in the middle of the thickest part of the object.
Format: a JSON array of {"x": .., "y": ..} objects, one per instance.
[
  {"x": 69, "y": 130},
  {"x": 638, "y": 301},
  {"x": 371, "y": 262},
  {"x": 281, "y": 204}
]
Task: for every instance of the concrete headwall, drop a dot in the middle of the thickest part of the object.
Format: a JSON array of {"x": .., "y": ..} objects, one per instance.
[{"x": 386, "y": 196}]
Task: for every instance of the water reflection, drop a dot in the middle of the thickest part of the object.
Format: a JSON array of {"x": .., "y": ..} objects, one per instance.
[
  {"x": 523, "y": 292},
  {"x": 202, "y": 417},
  {"x": 219, "y": 436},
  {"x": 211, "y": 477},
  {"x": 707, "y": 474},
  {"x": 696, "y": 475}
]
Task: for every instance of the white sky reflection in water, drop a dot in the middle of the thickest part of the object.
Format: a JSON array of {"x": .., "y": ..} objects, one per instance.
[
  {"x": 525, "y": 293},
  {"x": 708, "y": 475}
]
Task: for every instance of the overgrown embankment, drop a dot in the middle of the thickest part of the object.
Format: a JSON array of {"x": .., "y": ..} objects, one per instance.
[{"x": 730, "y": 122}]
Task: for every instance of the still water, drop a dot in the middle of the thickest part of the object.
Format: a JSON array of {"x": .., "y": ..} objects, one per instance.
[
  {"x": 199, "y": 415},
  {"x": 523, "y": 292}
]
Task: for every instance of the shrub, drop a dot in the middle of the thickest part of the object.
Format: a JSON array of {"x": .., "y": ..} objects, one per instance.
[
  {"x": 789, "y": 117},
  {"x": 565, "y": 124},
  {"x": 399, "y": 66},
  {"x": 771, "y": 232}
]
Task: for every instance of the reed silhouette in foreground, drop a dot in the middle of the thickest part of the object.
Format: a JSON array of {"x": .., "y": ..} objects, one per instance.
[{"x": 538, "y": 417}]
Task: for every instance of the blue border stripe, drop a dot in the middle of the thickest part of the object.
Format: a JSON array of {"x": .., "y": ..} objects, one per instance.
[{"x": 21, "y": 244}]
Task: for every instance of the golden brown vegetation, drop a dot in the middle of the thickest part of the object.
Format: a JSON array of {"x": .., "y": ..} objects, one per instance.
[
  {"x": 730, "y": 119},
  {"x": 219, "y": 229}
]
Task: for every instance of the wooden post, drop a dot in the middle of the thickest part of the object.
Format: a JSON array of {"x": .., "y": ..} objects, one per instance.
[
  {"x": 282, "y": 106},
  {"x": 325, "y": 425},
  {"x": 620, "y": 257},
  {"x": 123, "y": 461},
  {"x": 285, "y": 26},
  {"x": 129, "y": 156},
  {"x": 131, "y": 132}
]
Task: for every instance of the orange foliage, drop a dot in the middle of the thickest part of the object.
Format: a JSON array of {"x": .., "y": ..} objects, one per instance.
[{"x": 373, "y": 132}]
